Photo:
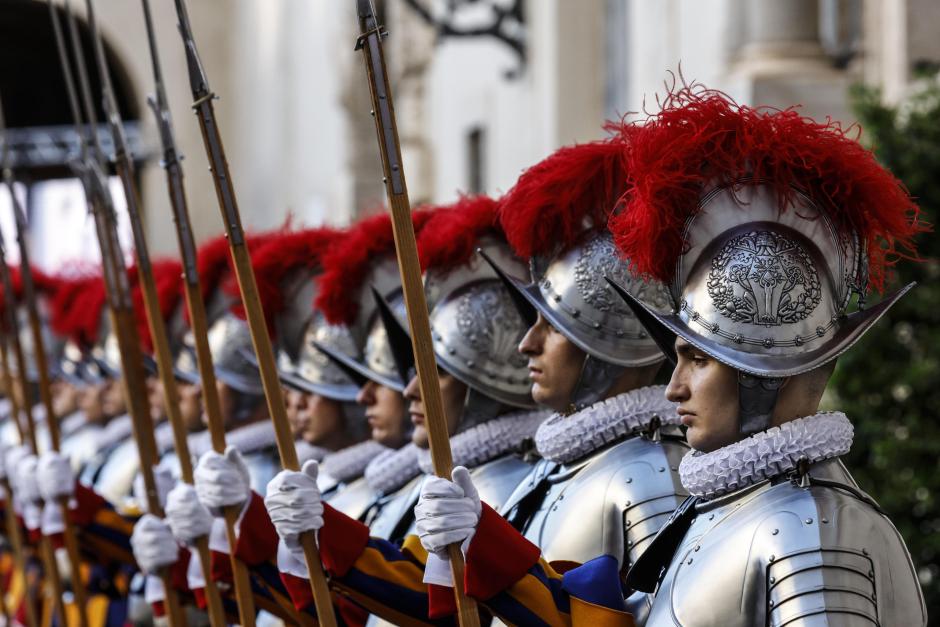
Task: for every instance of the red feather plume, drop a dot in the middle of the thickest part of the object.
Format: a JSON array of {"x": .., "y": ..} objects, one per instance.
[
  {"x": 552, "y": 203},
  {"x": 167, "y": 276},
  {"x": 346, "y": 263},
  {"x": 701, "y": 137},
  {"x": 76, "y": 308},
  {"x": 279, "y": 256},
  {"x": 452, "y": 233}
]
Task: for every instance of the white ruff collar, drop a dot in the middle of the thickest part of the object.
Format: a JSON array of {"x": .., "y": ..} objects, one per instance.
[
  {"x": 307, "y": 451},
  {"x": 565, "y": 439},
  {"x": 247, "y": 439},
  {"x": 393, "y": 469},
  {"x": 489, "y": 440},
  {"x": 766, "y": 454},
  {"x": 349, "y": 463}
]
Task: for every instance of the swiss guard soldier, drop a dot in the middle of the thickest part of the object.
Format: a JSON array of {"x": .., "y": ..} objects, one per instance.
[
  {"x": 766, "y": 225},
  {"x": 359, "y": 285},
  {"x": 487, "y": 405},
  {"x": 611, "y": 452}
]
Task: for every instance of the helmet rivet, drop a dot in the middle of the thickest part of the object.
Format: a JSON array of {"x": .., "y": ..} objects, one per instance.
[
  {"x": 820, "y": 331},
  {"x": 557, "y": 298},
  {"x": 716, "y": 328},
  {"x": 618, "y": 333},
  {"x": 471, "y": 364},
  {"x": 695, "y": 315},
  {"x": 597, "y": 325},
  {"x": 798, "y": 340},
  {"x": 575, "y": 313},
  {"x": 683, "y": 304},
  {"x": 768, "y": 342},
  {"x": 452, "y": 351},
  {"x": 738, "y": 338}
]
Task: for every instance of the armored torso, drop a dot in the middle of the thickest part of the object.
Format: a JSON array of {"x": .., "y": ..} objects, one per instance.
[
  {"x": 780, "y": 554},
  {"x": 610, "y": 503}
]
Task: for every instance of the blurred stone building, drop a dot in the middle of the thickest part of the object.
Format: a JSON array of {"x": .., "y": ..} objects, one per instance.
[{"x": 483, "y": 88}]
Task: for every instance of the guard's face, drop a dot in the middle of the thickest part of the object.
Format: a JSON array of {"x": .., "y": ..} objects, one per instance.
[
  {"x": 292, "y": 401},
  {"x": 65, "y": 398},
  {"x": 386, "y": 413},
  {"x": 319, "y": 418},
  {"x": 191, "y": 405},
  {"x": 156, "y": 399},
  {"x": 112, "y": 398},
  {"x": 453, "y": 394},
  {"x": 554, "y": 365},
  {"x": 89, "y": 402},
  {"x": 707, "y": 393}
]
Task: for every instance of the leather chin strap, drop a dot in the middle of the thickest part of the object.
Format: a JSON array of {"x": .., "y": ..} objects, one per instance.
[
  {"x": 757, "y": 397},
  {"x": 596, "y": 379}
]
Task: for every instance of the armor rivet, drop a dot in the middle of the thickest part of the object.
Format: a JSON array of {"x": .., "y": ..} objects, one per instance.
[
  {"x": 771, "y": 603},
  {"x": 775, "y": 532},
  {"x": 824, "y": 520},
  {"x": 772, "y": 558},
  {"x": 628, "y": 523},
  {"x": 864, "y": 551},
  {"x": 629, "y": 479},
  {"x": 773, "y": 580},
  {"x": 630, "y": 543},
  {"x": 809, "y": 521}
]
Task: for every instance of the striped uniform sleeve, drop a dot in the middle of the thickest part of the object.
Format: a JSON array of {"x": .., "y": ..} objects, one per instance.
[
  {"x": 105, "y": 534},
  {"x": 505, "y": 572},
  {"x": 376, "y": 574}
]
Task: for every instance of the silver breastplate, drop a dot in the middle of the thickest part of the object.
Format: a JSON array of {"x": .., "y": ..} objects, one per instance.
[
  {"x": 497, "y": 479},
  {"x": 393, "y": 516},
  {"x": 780, "y": 554},
  {"x": 611, "y": 503},
  {"x": 353, "y": 498}
]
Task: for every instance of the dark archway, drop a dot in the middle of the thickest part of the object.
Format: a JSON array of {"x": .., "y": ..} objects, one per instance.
[{"x": 32, "y": 88}]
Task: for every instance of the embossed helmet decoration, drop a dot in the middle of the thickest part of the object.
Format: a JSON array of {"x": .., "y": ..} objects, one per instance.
[
  {"x": 556, "y": 216},
  {"x": 475, "y": 326},
  {"x": 765, "y": 224}
]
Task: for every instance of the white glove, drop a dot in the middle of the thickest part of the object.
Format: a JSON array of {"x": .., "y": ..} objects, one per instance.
[
  {"x": 12, "y": 458},
  {"x": 447, "y": 512},
  {"x": 27, "y": 486},
  {"x": 222, "y": 480},
  {"x": 153, "y": 544},
  {"x": 163, "y": 477},
  {"x": 54, "y": 474},
  {"x": 294, "y": 503},
  {"x": 51, "y": 521},
  {"x": 188, "y": 518}
]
